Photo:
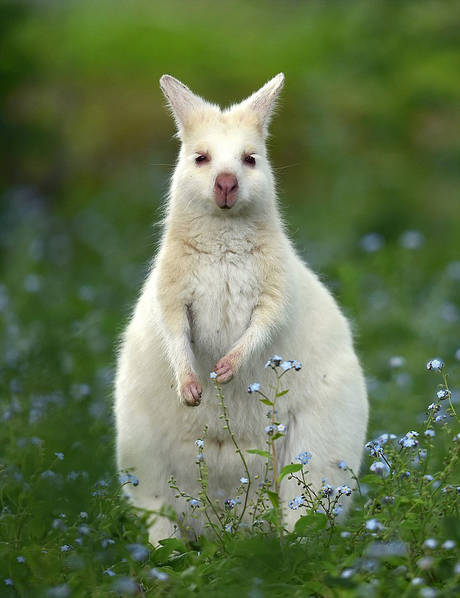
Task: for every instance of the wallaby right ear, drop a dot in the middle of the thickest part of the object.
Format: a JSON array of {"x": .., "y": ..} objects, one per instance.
[{"x": 183, "y": 102}]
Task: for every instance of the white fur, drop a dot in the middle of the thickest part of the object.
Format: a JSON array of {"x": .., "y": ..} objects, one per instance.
[{"x": 228, "y": 284}]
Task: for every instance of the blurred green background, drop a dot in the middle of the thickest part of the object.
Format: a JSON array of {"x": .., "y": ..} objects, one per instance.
[{"x": 365, "y": 146}]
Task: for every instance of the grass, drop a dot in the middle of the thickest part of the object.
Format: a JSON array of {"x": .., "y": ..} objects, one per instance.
[{"x": 364, "y": 144}]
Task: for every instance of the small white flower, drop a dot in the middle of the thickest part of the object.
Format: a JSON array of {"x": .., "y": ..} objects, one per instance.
[
  {"x": 285, "y": 365},
  {"x": 373, "y": 525},
  {"x": 244, "y": 481},
  {"x": 430, "y": 543},
  {"x": 254, "y": 387},
  {"x": 428, "y": 592},
  {"x": 396, "y": 361},
  {"x": 213, "y": 375},
  {"x": 448, "y": 545},
  {"x": 282, "y": 428},
  {"x": 425, "y": 562},
  {"x": 435, "y": 364}
]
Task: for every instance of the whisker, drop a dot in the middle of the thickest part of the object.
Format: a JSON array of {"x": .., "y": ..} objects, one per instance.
[{"x": 288, "y": 166}]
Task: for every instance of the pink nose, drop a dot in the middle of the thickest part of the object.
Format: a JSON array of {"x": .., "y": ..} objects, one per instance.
[{"x": 225, "y": 189}]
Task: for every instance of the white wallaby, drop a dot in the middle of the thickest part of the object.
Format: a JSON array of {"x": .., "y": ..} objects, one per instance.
[{"x": 225, "y": 292}]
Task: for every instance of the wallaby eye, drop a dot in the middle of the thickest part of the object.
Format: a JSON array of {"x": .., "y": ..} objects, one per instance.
[
  {"x": 249, "y": 160},
  {"x": 202, "y": 159}
]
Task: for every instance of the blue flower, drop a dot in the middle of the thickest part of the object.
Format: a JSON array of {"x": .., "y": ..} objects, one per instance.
[
  {"x": 428, "y": 477},
  {"x": 384, "y": 438},
  {"x": 60, "y": 456},
  {"x": 286, "y": 365},
  {"x": 254, "y": 387},
  {"x": 430, "y": 543},
  {"x": 244, "y": 481},
  {"x": 429, "y": 433},
  {"x": 229, "y": 503},
  {"x": 199, "y": 458},
  {"x": 213, "y": 375},
  {"x": 160, "y": 575},
  {"x": 296, "y": 502},
  {"x": 66, "y": 548},
  {"x": 372, "y": 242},
  {"x": 199, "y": 443},
  {"x": 374, "y": 448},
  {"x": 443, "y": 394},
  {"x": 337, "y": 509},
  {"x": 412, "y": 239},
  {"x": 138, "y": 552},
  {"x": 8, "y": 581},
  {"x": 396, "y": 361},
  {"x": 270, "y": 429},
  {"x": 128, "y": 478},
  {"x": 327, "y": 490},
  {"x": 409, "y": 440},
  {"x": 194, "y": 503},
  {"x": 21, "y": 559},
  {"x": 304, "y": 457},
  {"x": 373, "y": 525},
  {"x": 342, "y": 465},
  {"x": 109, "y": 572},
  {"x": 282, "y": 428},
  {"x": 274, "y": 361},
  {"x": 448, "y": 545},
  {"x": 344, "y": 490},
  {"x": 379, "y": 468},
  {"x": 435, "y": 364},
  {"x": 83, "y": 515}
]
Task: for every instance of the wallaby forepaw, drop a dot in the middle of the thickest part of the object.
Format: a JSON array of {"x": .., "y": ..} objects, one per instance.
[
  {"x": 224, "y": 370},
  {"x": 191, "y": 393}
]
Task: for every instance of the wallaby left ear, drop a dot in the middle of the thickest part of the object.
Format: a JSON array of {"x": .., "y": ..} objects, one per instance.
[
  {"x": 182, "y": 101},
  {"x": 263, "y": 102}
]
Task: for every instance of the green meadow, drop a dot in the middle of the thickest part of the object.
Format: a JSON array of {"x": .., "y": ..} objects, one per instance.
[{"x": 366, "y": 150}]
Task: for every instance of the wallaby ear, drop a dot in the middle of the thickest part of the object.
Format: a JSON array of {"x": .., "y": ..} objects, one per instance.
[
  {"x": 263, "y": 102},
  {"x": 182, "y": 101}
]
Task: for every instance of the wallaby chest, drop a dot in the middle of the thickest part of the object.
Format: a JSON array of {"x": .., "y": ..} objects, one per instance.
[{"x": 224, "y": 289}]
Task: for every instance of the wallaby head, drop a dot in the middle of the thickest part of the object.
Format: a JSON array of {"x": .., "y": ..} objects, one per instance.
[{"x": 223, "y": 167}]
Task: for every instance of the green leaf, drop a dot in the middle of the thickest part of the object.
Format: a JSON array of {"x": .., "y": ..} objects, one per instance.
[
  {"x": 273, "y": 496},
  {"x": 266, "y": 402},
  {"x": 309, "y": 523},
  {"x": 287, "y": 469},
  {"x": 283, "y": 392},
  {"x": 265, "y": 454},
  {"x": 173, "y": 544}
]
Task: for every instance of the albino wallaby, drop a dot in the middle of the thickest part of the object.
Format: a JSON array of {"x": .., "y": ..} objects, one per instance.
[{"x": 225, "y": 292}]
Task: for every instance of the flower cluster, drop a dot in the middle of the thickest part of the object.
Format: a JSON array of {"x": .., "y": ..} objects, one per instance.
[
  {"x": 296, "y": 502},
  {"x": 304, "y": 457},
  {"x": 285, "y": 365},
  {"x": 409, "y": 440}
]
